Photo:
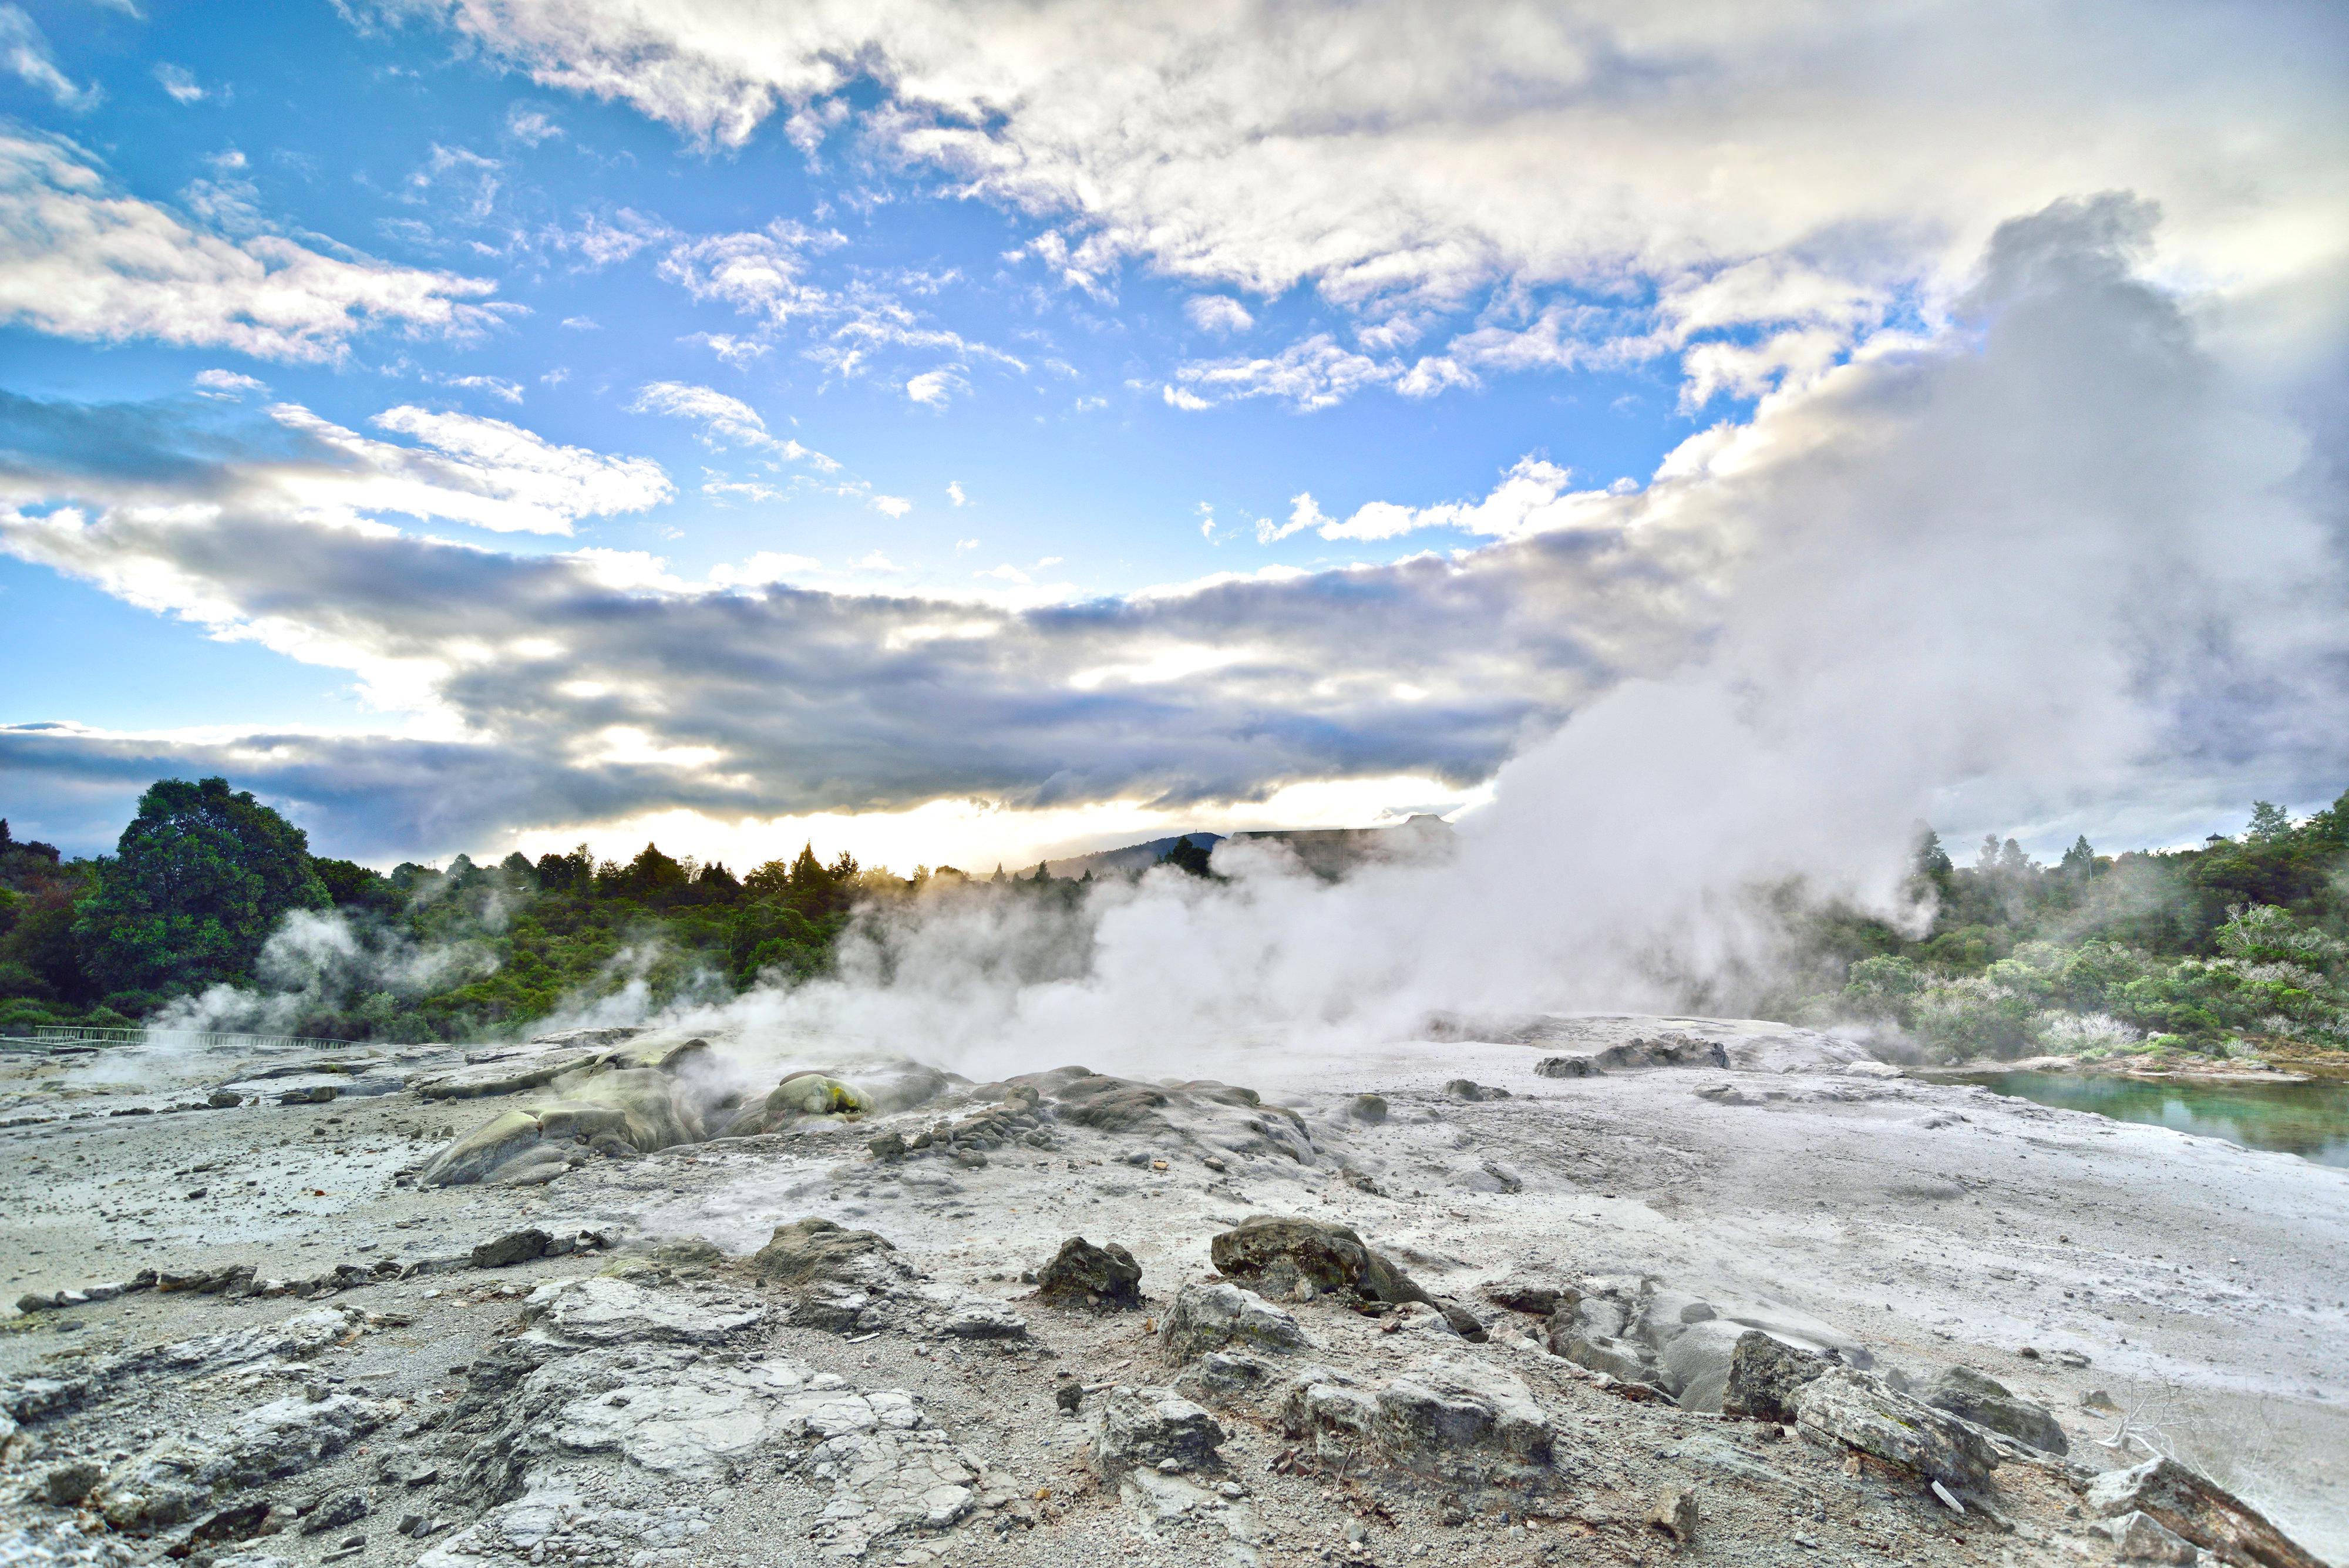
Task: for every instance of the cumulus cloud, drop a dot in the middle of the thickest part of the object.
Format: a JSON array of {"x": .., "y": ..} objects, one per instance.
[
  {"x": 762, "y": 272},
  {"x": 936, "y": 388},
  {"x": 1217, "y": 312},
  {"x": 1871, "y": 150},
  {"x": 79, "y": 260},
  {"x": 2061, "y": 556}
]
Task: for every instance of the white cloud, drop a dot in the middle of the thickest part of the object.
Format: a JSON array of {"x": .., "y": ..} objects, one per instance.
[
  {"x": 1806, "y": 593},
  {"x": 496, "y": 386},
  {"x": 180, "y": 82},
  {"x": 25, "y": 54},
  {"x": 1637, "y": 152},
  {"x": 600, "y": 241},
  {"x": 1530, "y": 497},
  {"x": 1314, "y": 374},
  {"x": 1303, "y": 513},
  {"x": 530, "y": 125},
  {"x": 484, "y": 471},
  {"x": 953, "y": 492},
  {"x": 765, "y": 566},
  {"x": 725, "y": 420},
  {"x": 79, "y": 261},
  {"x": 1217, "y": 312},
  {"x": 583, "y": 324},
  {"x": 227, "y": 385},
  {"x": 892, "y": 505},
  {"x": 759, "y": 272},
  {"x": 736, "y": 351},
  {"x": 1175, "y": 397},
  {"x": 936, "y": 388}
]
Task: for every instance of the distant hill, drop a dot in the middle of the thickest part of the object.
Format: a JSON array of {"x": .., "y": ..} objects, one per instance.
[
  {"x": 1328, "y": 852},
  {"x": 1132, "y": 857}
]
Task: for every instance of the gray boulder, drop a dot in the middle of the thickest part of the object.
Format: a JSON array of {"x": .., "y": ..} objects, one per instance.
[
  {"x": 1858, "y": 1411},
  {"x": 1445, "y": 1417},
  {"x": 515, "y": 1247},
  {"x": 811, "y": 1250},
  {"x": 1104, "y": 1279},
  {"x": 1207, "y": 1318},
  {"x": 1298, "y": 1260},
  {"x": 1149, "y": 1427},
  {"x": 1961, "y": 1391},
  {"x": 1764, "y": 1376}
]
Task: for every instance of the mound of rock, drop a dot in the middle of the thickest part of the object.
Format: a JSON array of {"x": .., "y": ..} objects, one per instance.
[
  {"x": 1103, "y": 1278},
  {"x": 1445, "y": 1417},
  {"x": 623, "y": 1100},
  {"x": 1223, "y": 1316},
  {"x": 837, "y": 1279},
  {"x": 1296, "y": 1260},
  {"x": 1861, "y": 1412},
  {"x": 1961, "y": 1391},
  {"x": 1157, "y": 1427},
  {"x": 178, "y": 1478},
  {"x": 1220, "y": 1116},
  {"x": 1681, "y": 1344}
]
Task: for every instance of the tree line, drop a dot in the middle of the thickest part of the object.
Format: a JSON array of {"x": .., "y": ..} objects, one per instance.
[{"x": 2240, "y": 945}]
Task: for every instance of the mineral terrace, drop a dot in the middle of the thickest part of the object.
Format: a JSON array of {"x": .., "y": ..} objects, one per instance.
[{"x": 1531, "y": 1291}]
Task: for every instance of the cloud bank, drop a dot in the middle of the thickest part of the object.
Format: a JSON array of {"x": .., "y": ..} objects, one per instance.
[
  {"x": 2061, "y": 556},
  {"x": 1755, "y": 189}
]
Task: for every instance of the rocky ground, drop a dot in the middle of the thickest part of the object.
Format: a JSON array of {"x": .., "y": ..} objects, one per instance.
[{"x": 1526, "y": 1292}]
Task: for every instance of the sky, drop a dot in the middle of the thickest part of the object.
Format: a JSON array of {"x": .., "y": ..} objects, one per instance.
[{"x": 970, "y": 431}]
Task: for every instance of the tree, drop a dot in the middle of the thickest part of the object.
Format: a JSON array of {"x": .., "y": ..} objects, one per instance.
[
  {"x": 2080, "y": 861},
  {"x": 1186, "y": 856},
  {"x": 2270, "y": 822},
  {"x": 198, "y": 881},
  {"x": 1931, "y": 862}
]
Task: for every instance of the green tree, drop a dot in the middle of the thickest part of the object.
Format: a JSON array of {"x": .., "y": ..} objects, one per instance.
[
  {"x": 2270, "y": 822},
  {"x": 197, "y": 882},
  {"x": 1186, "y": 856}
]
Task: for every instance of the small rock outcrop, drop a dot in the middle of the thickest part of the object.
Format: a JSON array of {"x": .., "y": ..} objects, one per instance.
[
  {"x": 1296, "y": 1260},
  {"x": 2197, "y": 1509},
  {"x": 1961, "y": 1391},
  {"x": 1764, "y": 1376},
  {"x": 1860, "y": 1411},
  {"x": 811, "y": 1250},
  {"x": 1155, "y": 1428},
  {"x": 1443, "y": 1416},
  {"x": 1103, "y": 1278},
  {"x": 1207, "y": 1318}
]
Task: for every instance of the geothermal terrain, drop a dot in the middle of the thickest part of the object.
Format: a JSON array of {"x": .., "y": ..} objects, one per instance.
[{"x": 1534, "y": 1291}]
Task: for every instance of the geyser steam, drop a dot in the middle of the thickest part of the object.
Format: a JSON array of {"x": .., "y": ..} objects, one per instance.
[{"x": 2051, "y": 558}]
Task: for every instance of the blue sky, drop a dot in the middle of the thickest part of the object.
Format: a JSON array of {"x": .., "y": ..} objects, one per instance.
[{"x": 1033, "y": 435}]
